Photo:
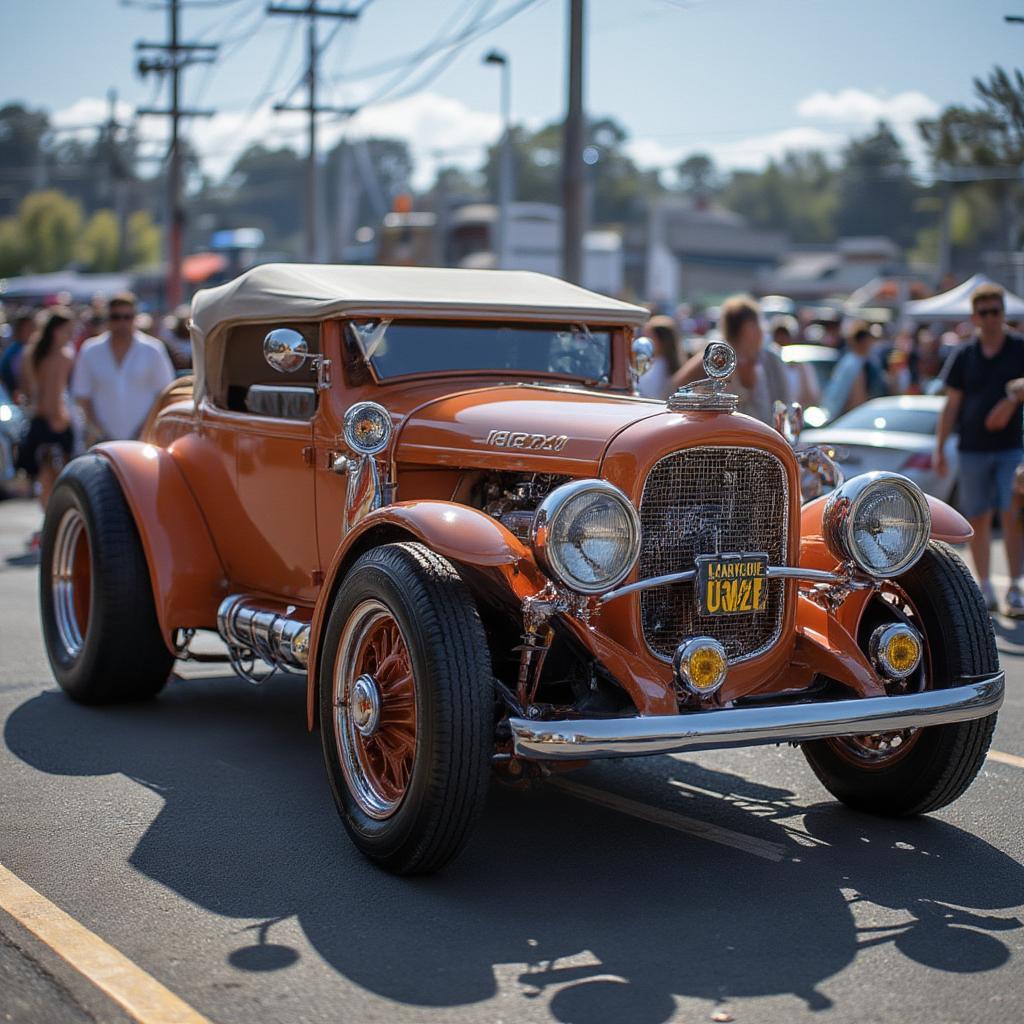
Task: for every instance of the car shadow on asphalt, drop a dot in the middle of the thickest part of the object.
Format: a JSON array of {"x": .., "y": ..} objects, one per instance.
[{"x": 606, "y": 917}]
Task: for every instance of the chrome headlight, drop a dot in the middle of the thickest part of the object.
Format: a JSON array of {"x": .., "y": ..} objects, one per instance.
[
  {"x": 367, "y": 428},
  {"x": 880, "y": 521},
  {"x": 586, "y": 536}
]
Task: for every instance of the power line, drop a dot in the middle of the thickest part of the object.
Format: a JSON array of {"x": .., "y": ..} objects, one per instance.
[
  {"x": 175, "y": 57},
  {"x": 311, "y": 12}
]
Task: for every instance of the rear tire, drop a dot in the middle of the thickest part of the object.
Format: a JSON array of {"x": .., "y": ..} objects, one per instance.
[
  {"x": 942, "y": 760},
  {"x": 406, "y": 708},
  {"x": 102, "y": 636}
]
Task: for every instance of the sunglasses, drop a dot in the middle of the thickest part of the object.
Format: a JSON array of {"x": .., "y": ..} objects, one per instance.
[
  {"x": 990, "y": 311},
  {"x": 121, "y": 316}
]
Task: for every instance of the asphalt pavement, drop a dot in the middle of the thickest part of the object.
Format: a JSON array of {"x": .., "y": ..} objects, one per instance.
[{"x": 196, "y": 836}]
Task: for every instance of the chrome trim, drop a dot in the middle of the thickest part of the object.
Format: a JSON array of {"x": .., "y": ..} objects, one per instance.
[
  {"x": 285, "y": 350},
  {"x": 549, "y": 510},
  {"x": 70, "y": 533},
  {"x": 775, "y": 572},
  {"x": 709, "y": 395},
  {"x": 276, "y": 638},
  {"x": 841, "y": 512},
  {"x": 587, "y": 739}
]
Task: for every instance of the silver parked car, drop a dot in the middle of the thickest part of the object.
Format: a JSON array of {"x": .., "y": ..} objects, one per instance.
[{"x": 895, "y": 434}]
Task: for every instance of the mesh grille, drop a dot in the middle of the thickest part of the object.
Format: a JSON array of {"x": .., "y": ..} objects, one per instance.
[{"x": 705, "y": 501}]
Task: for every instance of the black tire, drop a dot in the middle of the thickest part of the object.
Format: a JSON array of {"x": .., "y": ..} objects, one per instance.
[
  {"x": 121, "y": 655},
  {"x": 943, "y": 759},
  {"x": 443, "y": 641}
]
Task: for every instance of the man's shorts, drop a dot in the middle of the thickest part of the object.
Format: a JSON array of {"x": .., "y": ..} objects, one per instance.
[{"x": 986, "y": 480}]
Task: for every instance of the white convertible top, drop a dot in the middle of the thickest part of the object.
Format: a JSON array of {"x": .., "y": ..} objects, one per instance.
[{"x": 304, "y": 291}]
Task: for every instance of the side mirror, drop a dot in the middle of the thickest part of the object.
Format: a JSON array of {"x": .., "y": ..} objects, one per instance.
[
  {"x": 643, "y": 353},
  {"x": 285, "y": 350}
]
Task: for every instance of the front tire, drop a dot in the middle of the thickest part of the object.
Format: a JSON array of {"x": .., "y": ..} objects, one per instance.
[
  {"x": 931, "y": 767},
  {"x": 102, "y": 636},
  {"x": 406, "y": 708}
]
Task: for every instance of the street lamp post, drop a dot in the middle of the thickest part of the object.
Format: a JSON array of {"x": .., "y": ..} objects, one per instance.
[{"x": 505, "y": 158}]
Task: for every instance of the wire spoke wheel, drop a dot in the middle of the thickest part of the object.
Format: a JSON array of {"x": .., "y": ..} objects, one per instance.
[
  {"x": 375, "y": 709},
  {"x": 71, "y": 581}
]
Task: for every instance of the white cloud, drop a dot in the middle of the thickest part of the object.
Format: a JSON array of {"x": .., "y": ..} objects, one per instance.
[{"x": 857, "y": 108}]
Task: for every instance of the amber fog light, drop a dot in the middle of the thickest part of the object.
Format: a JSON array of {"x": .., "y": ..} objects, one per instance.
[
  {"x": 700, "y": 665},
  {"x": 895, "y": 650}
]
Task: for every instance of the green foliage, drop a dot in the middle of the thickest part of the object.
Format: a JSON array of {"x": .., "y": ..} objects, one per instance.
[
  {"x": 144, "y": 240},
  {"x": 798, "y": 194},
  {"x": 99, "y": 244},
  {"x": 12, "y": 249},
  {"x": 49, "y": 223}
]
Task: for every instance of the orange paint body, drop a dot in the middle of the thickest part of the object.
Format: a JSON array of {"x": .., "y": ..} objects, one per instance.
[{"x": 229, "y": 502}]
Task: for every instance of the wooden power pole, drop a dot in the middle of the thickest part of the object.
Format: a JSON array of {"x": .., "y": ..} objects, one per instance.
[
  {"x": 573, "y": 135},
  {"x": 175, "y": 57},
  {"x": 312, "y": 12}
]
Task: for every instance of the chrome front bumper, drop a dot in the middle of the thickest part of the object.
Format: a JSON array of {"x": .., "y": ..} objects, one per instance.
[{"x": 586, "y": 739}]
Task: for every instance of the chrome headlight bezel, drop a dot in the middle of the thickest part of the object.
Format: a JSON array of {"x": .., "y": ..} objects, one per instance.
[
  {"x": 558, "y": 504},
  {"x": 840, "y": 517},
  {"x": 372, "y": 410}
]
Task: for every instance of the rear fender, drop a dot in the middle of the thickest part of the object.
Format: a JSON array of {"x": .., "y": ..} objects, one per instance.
[
  {"x": 185, "y": 572},
  {"x": 463, "y": 535}
]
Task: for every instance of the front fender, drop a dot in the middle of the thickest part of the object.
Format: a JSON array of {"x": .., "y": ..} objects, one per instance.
[
  {"x": 185, "y": 572},
  {"x": 463, "y": 535}
]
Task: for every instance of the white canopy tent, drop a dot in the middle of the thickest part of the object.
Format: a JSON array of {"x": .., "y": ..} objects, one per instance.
[{"x": 956, "y": 303}]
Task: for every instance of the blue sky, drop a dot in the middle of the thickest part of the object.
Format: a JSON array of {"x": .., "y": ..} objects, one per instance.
[{"x": 741, "y": 79}]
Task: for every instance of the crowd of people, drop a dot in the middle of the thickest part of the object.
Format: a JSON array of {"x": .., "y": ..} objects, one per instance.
[
  {"x": 92, "y": 373},
  {"x": 83, "y": 376}
]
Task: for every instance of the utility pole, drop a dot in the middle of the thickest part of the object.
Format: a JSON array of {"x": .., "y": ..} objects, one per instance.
[
  {"x": 500, "y": 60},
  {"x": 176, "y": 57},
  {"x": 117, "y": 176},
  {"x": 572, "y": 153},
  {"x": 311, "y": 12}
]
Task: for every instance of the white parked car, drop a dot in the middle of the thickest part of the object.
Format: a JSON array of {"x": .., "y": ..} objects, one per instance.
[{"x": 895, "y": 434}]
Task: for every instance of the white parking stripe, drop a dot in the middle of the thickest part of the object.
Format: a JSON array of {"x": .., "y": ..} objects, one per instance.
[
  {"x": 670, "y": 819},
  {"x": 998, "y": 755}
]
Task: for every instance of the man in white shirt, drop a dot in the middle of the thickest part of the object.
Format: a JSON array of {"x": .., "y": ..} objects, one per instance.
[{"x": 119, "y": 374}]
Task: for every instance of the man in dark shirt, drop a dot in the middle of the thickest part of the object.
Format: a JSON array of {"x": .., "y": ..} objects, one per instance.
[{"x": 990, "y": 422}]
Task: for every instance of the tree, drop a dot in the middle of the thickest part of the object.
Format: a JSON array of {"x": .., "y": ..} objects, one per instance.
[
  {"x": 12, "y": 247},
  {"x": 698, "y": 176},
  {"x": 876, "y": 191},
  {"x": 21, "y": 154},
  {"x": 100, "y": 242},
  {"x": 797, "y": 194},
  {"x": 144, "y": 240},
  {"x": 50, "y": 223}
]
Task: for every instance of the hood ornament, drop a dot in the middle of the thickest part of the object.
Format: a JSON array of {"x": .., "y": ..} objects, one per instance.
[{"x": 709, "y": 394}]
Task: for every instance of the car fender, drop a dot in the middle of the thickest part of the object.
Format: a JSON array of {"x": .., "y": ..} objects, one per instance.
[
  {"x": 185, "y": 572},
  {"x": 461, "y": 534}
]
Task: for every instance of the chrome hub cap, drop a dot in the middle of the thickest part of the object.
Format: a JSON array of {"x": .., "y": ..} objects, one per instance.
[{"x": 365, "y": 705}]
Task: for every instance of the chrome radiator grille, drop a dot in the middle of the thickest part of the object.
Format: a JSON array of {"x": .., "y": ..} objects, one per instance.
[{"x": 703, "y": 501}]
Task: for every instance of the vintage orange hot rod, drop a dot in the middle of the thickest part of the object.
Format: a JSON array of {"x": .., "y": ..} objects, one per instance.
[{"x": 435, "y": 494}]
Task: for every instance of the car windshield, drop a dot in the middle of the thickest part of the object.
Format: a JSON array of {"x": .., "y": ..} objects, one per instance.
[
  {"x": 889, "y": 417},
  {"x": 404, "y": 348}
]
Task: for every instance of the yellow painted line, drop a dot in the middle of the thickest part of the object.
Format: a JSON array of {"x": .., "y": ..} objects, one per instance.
[
  {"x": 670, "y": 819},
  {"x": 998, "y": 755},
  {"x": 139, "y": 995}
]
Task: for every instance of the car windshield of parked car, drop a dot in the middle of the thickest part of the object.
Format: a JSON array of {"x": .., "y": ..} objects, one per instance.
[
  {"x": 404, "y": 348},
  {"x": 892, "y": 418}
]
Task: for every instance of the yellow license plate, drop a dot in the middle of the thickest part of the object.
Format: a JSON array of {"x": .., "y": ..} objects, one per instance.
[{"x": 732, "y": 584}]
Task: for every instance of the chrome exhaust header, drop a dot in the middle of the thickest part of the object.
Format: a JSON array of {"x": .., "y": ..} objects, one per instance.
[{"x": 279, "y": 639}]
